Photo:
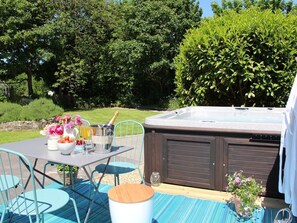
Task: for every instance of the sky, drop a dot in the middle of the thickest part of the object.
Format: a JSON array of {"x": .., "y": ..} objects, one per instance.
[{"x": 205, "y": 5}]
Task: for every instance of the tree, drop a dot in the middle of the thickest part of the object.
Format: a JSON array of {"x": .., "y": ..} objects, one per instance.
[
  {"x": 23, "y": 36},
  {"x": 146, "y": 41},
  {"x": 238, "y": 5},
  {"x": 245, "y": 58},
  {"x": 82, "y": 31}
]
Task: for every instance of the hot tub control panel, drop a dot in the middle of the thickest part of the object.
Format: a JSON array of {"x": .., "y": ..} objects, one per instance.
[{"x": 265, "y": 138}]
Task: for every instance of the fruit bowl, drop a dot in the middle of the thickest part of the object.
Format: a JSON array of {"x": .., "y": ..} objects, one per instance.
[{"x": 66, "y": 148}]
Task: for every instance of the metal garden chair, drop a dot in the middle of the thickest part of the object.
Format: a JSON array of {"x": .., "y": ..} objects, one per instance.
[
  {"x": 126, "y": 133},
  {"x": 7, "y": 182},
  {"x": 24, "y": 198}
]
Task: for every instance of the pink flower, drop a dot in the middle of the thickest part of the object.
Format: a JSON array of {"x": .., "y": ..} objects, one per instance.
[
  {"x": 78, "y": 120},
  {"x": 56, "y": 129},
  {"x": 69, "y": 125},
  {"x": 62, "y": 123},
  {"x": 66, "y": 119},
  {"x": 57, "y": 118},
  {"x": 237, "y": 180}
]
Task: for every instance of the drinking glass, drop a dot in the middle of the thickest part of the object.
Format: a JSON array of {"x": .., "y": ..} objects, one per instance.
[
  {"x": 155, "y": 179},
  {"x": 85, "y": 133}
]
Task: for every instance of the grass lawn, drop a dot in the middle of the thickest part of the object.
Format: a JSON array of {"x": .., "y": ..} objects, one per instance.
[{"x": 95, "y": 116}]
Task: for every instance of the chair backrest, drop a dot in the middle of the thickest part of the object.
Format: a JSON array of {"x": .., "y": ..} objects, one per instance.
[
  {"x": 85, "y": 122},
  {"x": 14, "y": 165},
  {"x": 129, "y": 133}
]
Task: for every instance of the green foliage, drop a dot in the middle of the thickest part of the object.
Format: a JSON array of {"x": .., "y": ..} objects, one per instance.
[
  {"x": 24, "y": 39},
  {"x": 173, "y": 103},
  {"x": 247, "y": 189},
  {"x": 40, "y": 109},
  {"x": 239, "y": 5},
  {"x": 103, "y": 52},
  {"x": 146, "y": 41},
  {"x": 83, "y": 29},
  {"x": 3, "y": 96},
  {"x": 245, "y": 58},
  {"x": 9, "y": 112},
  {"x": 19, "y": 89},
  {"x": 71, "y": 78},
  {"x": 66, "y": 168},
  {"x": 40, "y": 88}
]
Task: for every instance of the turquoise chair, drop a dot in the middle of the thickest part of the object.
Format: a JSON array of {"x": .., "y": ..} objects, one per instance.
[
  {"x": 126, "y": 133},
  {"x": 20, "y": 196},
  {"x": 7, "y": 182}
]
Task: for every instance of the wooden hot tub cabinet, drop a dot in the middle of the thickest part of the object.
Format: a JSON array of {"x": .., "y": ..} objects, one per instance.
[{"x": 200, "y": 157}]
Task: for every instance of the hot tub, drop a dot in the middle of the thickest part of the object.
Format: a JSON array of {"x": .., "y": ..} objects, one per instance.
[
  {"x": 198, "y": 146},
  {"x": 239, "y": 118}
]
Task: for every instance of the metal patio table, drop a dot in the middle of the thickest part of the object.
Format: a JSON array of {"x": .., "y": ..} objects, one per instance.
[{"x": 37, "y": 148}]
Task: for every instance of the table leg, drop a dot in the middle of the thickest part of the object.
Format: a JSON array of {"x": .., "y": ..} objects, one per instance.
[
  {"x": 36, "y": 170},
  {"x": 96, "y": 189},
  {"x": 47, "y": 176}
]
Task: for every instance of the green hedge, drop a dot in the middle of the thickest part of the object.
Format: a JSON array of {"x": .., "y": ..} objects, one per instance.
[
  {"x": 9, "y": 112},
  {"x": 238, "y": 59},
  {"x": 36, "y": 110}
]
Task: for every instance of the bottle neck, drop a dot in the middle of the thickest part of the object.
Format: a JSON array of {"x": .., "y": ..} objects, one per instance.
[{"x": 112, "y": 120}]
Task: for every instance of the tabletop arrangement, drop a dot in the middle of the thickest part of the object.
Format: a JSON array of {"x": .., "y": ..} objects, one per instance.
[{"x": 74, "y": 134}]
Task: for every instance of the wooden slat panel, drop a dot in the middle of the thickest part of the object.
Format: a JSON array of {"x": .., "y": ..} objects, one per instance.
[
  {"x": 255, "y": 159},
  {"x": 189, "y": 160}
]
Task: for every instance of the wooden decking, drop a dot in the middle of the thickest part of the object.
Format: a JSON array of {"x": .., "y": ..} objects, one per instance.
[{"x": 213, "y": 195}]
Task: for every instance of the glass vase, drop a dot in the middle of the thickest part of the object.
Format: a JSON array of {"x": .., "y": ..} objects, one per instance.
[{"x": 155, "y": 179}]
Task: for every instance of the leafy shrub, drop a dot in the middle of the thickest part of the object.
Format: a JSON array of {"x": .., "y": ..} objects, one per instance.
[
  {"x": 9, "y": 112},
  {"x": 173, "y": 103},
  {"x": 245, "y": 58},
  {"x": 40, "y": 109},
  {"x": 3, "y": 97}
]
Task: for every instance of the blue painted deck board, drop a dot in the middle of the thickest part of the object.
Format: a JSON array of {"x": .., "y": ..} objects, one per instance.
[{"x": 167, "y": 209}]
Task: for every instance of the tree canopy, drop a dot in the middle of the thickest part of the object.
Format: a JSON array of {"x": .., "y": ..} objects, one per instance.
[
  {"x": 146, "y": 42},
  {"x": 121, "y": 52},
  {"x": 24, "y": 37},
  {"x": 95, "y": 52},
  {"x": 245, "y": 58},
  {"x": 239, "y": 5}
]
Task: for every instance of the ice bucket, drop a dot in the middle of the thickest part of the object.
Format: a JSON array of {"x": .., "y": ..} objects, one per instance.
[{"x": 102, "y": 136}]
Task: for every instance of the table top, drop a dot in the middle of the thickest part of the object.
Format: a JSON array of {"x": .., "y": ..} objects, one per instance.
[{"x": 37, "y": 148}]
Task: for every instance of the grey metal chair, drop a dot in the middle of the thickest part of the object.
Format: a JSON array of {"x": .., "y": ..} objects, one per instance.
[
  {"x": 126, "y": 133},
  {"x": 25, "y": 199}
]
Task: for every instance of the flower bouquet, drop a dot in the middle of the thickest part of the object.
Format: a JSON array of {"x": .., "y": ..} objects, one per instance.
[
  {"x": 245, "y": 191},
  {"x": 60, "y": 125}
]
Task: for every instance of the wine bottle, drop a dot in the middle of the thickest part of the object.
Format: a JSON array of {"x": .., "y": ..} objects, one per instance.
[{"x": 112, "y": 120}]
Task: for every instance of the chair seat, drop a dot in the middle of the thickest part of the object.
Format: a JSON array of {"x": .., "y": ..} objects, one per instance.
[
  {"x": 116, "y": 168},
  {"x": 8, "y": 181},
  {"x": 48, "y": 200}
]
